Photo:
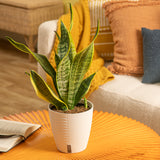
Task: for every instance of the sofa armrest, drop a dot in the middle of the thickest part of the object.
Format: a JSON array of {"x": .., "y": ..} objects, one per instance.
[{"x": 46, "y": 36}]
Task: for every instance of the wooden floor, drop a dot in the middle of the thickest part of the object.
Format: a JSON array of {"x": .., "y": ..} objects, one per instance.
[{"x": 16, "y": 92}]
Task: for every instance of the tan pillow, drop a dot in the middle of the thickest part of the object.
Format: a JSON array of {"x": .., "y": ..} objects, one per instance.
[
  {"x": 104, "y": 42},
  {"x": 126, "y": 20}
]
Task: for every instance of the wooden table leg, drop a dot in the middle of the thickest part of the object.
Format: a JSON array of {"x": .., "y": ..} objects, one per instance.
[{"x": 31, "y": 42}]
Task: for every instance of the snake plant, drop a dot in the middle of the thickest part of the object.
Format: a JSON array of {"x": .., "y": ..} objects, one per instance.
[{"x": 68, "y": 78}]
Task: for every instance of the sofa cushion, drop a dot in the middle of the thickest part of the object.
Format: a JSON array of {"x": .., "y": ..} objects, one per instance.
[
  {"x": 127, "y": 96},
  {"x": 128, "y": 55},
  {"x": 151, "y": 55}
]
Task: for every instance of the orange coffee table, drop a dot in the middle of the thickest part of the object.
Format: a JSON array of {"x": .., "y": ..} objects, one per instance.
[{"x": 112, "y": 137}]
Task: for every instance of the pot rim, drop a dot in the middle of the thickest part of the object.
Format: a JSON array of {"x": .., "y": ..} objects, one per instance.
[{"x": 81, "y": 101}]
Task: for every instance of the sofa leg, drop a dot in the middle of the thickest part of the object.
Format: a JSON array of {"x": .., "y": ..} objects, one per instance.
[{"x": 31, "y": 42}]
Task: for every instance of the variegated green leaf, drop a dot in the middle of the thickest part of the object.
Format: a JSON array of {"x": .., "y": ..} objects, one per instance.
[
  {"x": 43, "y": 61},
  {"x": 20, "y": 46},
  {"x": 59, "y": 38},
  {"x": 79, "y": 67},
  {"x": 65, "y": 39},
  {"x": 97, "y": 30},
  {"x": 85, "y": 103},
  {"x": 44, "y": 92},
  {"x": 63, "y": 72},
  {"x": 71, "y": 14},
  {"x": 63, "y": 45},
  {"x": 72, "y": 52},
  {"x": 83, "y": 89},
  {"x": 57, "y": 59}
]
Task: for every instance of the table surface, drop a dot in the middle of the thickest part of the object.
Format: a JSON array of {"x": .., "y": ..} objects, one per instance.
[{"x": 113, "y": 137}]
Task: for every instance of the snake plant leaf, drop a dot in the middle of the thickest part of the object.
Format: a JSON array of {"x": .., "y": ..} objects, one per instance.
[
  {"x": 65, "y": 39},
  {"x": 20, "y": 46},
  {"x": 72, "y": 52},
  {"x": 85, "y": 103},
  {"x": 59, "y": 38},
  {"x": 44, "y": 92},
  {"x": 57, "y": 59},
  {"x": 27, "y": 73},
  {"x": 97, "y": 30},
  {"x": 71, "y": 14},
  {"x": 79, "y": 67},
  {"x": 72, "y": 45},
  {"x": 83, "y": 89},
  {"x": 63, "y": 72},
  {"x": 43, "y": 61},
  {"x": 63, "y": 45}
]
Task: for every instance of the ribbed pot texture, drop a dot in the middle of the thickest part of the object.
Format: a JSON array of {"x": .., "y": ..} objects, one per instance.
[{"x": 71, "y": 131}]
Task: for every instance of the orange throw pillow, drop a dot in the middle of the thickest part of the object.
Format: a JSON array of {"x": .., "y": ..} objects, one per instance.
[
  {"x": 104, "y": 41},
  {"x": 126, "y": 20}
]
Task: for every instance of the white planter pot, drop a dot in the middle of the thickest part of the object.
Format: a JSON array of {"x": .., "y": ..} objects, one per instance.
[{"x": 71, "y": 131}]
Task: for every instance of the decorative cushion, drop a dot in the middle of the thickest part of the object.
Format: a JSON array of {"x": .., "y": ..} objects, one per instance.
[
  {"x": 151, "y": 55},
  {"x": 126, "y": 20},
  {"x": 104, "y": 42}
]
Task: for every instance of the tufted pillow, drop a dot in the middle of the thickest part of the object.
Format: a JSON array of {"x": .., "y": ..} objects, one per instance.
[
  {"x": 151, "y": 55},
  {"x": 126, "y": 20},
  {"x": 104, "y": 42}
]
